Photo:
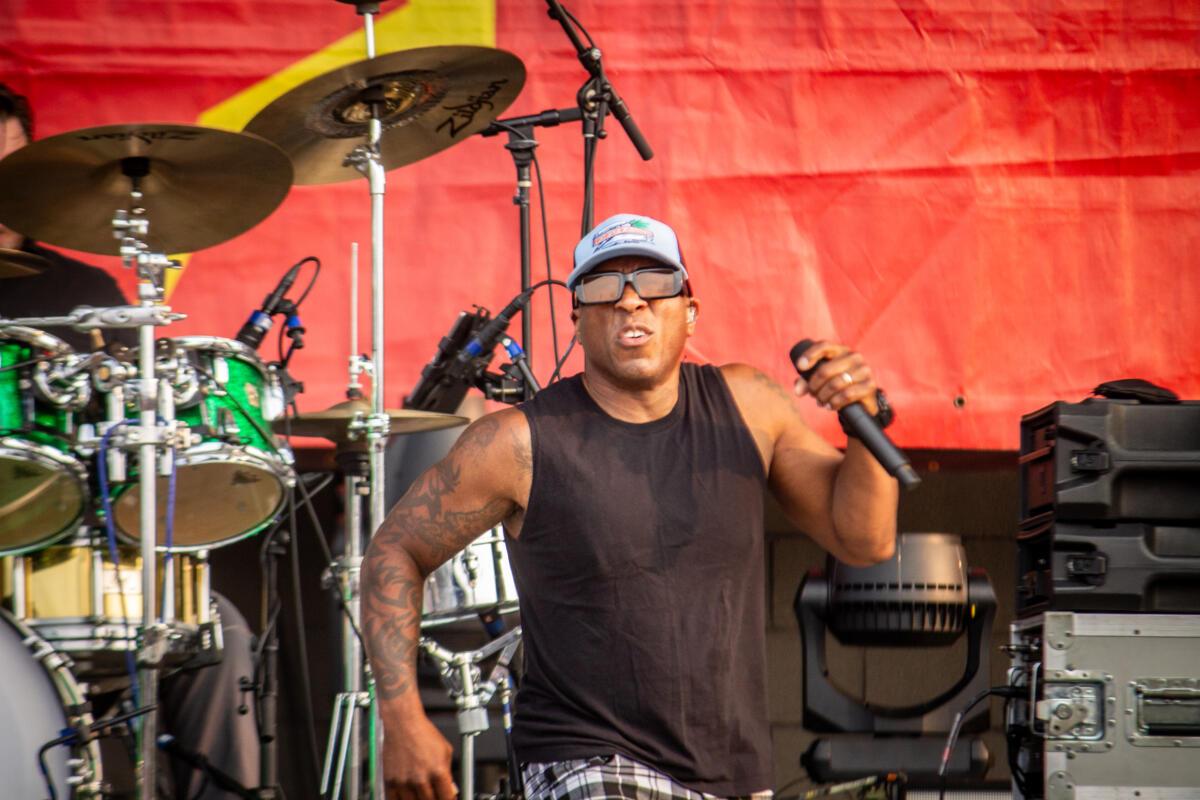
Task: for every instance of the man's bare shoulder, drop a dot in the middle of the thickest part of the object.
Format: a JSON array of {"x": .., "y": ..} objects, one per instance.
[
  {"x": 756, "y": 392},
  {"x": 498, "y": 436},
  {"x": 500, "y": 443}
]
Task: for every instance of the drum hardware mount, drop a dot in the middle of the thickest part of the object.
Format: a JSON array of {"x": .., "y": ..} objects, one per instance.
[
  {"x": 347, "y": 706},
  {"x": 130, "y": 228},
  {"x": 461, "y": 674}
]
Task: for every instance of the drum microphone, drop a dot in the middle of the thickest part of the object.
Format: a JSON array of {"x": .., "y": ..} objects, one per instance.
[
  {"x": 489, "y": 335},
  {"x": 861, "y": 425},
  {"x": 444, "y": 382},
  {"x": 256, "y": 327}
]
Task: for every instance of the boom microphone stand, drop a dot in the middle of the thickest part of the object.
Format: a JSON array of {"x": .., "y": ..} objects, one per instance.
[
  {"x": 521, "y": 145},
  {"x": 597, "y": 98}
]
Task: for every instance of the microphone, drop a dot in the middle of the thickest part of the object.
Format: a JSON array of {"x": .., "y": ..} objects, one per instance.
[
  {"x": 489, "y": 335},
  {"x": 443, "y": 382},
  {"x": 166, "y": 742},
  {"x": 863, "y": 426},
  {"x": 259, "y": 322}
]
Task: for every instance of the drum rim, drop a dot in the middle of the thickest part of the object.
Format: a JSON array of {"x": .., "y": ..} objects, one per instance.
[
  {"x": 56, "y": 664},
  {"x": 47, "y": 452},
  {"x": 218, "y": 344},
  {"x": 245, "y": 455},
  {"x": 49, "y": 457},
  {"x": 36, "y": 337},
  {"x": 43, "y": 624}
]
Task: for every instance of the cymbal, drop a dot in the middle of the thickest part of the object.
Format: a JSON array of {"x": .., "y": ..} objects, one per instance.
[
  {"x": 19, "y": 264},
  {"x": 333, "y": 423},
  {"x": 432, "y": 97},
  {"x": 201, "y": 186}
]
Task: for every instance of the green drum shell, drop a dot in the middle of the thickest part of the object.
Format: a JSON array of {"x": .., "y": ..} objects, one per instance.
[
  {"x": 43, "y": 486},
  {"x": 233, "y": 483}
]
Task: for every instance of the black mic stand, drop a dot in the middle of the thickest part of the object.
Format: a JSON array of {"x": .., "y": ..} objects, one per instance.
[
  {"x": 596, "y": 98},
  {"x": 521, "y": 144},
  {"x": 266, "y": 685}
]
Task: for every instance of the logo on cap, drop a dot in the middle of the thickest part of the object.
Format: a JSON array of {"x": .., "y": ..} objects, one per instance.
[{"x": 636, "y": 230}]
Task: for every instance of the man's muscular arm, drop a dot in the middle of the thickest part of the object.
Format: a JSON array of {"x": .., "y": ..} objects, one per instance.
[
  {"x": 469, "y": 491},
  {"x": 846, "y": 503}
]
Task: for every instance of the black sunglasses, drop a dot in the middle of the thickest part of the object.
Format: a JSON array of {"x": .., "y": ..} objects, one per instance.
[{"x": 651, "y": 283}]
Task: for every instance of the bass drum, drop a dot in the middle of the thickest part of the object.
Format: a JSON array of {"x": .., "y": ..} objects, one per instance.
[{"x": 39, "y": 697}]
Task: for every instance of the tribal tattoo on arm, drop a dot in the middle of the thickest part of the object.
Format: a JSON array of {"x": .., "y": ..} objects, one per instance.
[{"x": 448, "y": 506}]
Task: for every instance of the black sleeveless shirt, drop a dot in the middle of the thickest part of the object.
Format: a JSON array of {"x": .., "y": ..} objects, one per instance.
[{"x": 639, "y": 569}]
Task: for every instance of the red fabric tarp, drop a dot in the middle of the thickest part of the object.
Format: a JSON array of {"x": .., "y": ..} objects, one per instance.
[{"x": 995, "y": 202}]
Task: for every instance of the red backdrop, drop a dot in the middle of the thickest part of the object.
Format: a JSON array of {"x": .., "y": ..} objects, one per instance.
[{"x": 995, "y": 202}]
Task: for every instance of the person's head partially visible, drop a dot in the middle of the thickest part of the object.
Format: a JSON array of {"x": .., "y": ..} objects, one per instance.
[
  {"x": 633, "y": 305},
  {"x": 16, "y": 131}
]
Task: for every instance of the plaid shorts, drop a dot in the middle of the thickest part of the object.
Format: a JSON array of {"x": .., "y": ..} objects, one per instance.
[{"x": 612, "y": 777}]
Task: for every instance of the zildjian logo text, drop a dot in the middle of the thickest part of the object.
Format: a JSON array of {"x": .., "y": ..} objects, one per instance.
[{"x": 463, "y": 115}]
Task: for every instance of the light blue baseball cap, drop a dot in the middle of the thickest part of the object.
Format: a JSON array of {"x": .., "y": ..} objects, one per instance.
[{"x": 626, "y": 235}]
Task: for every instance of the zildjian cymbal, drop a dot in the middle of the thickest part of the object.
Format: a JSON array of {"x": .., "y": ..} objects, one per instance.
[
  {"x": 200, "y": 186},
  {"x": 429, "y": 99},
  {"x": 19, "y": 264},
  {"x": 334, "y": 422}
]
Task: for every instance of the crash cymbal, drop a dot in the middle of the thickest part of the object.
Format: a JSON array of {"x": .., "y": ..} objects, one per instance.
[
  {"x": 333, "y": 423},
  {"x": 200, "y": 186},
  {"x": 19, "y": 264},
  {"x": 432, "y": 97}
]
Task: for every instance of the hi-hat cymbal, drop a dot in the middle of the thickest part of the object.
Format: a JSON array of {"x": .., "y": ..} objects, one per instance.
[
  {"x": 432, "y": 98},
  {"x": 200, "y": 186},
  {"x": 334, "y": 422},
  {"x": 19, "y": 264}
]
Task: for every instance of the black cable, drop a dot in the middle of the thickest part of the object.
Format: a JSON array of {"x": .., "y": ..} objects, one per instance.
[
  {"x": 558, "y": 367},
  {"x": 549, "y": 275},
  {"x": 53, "y": 795},
  {"x": 579, "y": 25},
  {"x": 537, "y": 166},
  {"x": 298, "y": 604},
  {"x": 316, "y": 262},
  {"x": 279, "y": 344},
  {"x": 268, "y": 631},
  {"x": 959, "y": 719},
  {"x": 301, "y": 635},
  {"x": 327, "y": 554}
]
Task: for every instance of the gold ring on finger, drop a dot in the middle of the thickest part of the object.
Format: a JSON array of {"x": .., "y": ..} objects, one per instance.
[{"x": 848, "y": 378}]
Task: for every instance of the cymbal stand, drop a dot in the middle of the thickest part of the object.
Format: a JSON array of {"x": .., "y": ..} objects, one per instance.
[
  {"x": 345, "y": 738},
  {"x": 131, "y": 227},
  {"x": 460, "y": 673},
  {"x": 366, "y": 158}
]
